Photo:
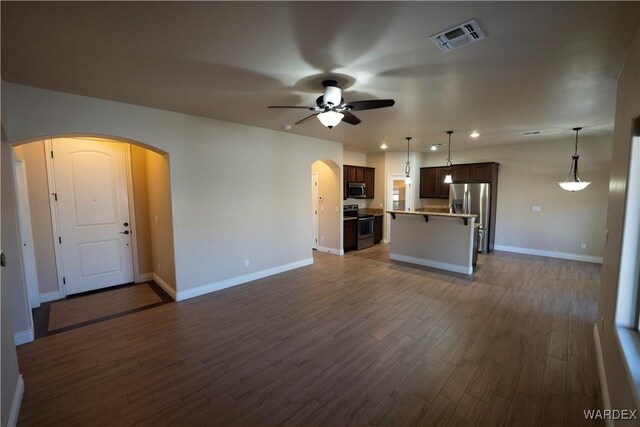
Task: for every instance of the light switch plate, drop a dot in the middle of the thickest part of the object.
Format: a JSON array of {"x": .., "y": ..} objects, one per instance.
[{"x": 536, "y": 208}]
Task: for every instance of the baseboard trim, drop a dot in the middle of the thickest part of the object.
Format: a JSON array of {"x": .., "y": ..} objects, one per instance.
[
  {"x": 23, "y": 337},
  {"x": 332, "y": 251},
  {"x": 50, "y": 296},
  {"x": 550, "y": 254},
  {"x": 165, "y": 286},
  {"x": 430, "y": 263},
  {"x": 234, "y": 281},
  {"x": 602, "y": 374},
  {"x": 16, "y": 402},
  {"x": 144, "y": 277}
]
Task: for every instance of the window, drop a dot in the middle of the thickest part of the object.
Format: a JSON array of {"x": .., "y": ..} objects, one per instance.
[{"x": 628, "y": 300}]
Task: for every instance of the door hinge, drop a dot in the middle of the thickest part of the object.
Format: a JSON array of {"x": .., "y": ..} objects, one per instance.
[
  {"x": 55, "y": 196},
  {"x": 52, "y": 154},
  {"x": 64, "y": 280},
  {"x": 59, "y": 239}
]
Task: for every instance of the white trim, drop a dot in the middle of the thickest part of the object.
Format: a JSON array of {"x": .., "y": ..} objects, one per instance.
[
  {"x": 55, "y": 225},
  {"x": 16, "y": 402},
  {"x": 50, "y": 296},
  {"x": 227, "y": 283},
  {"x": 132, "y": 208},
  {"x": 602, "y": 374},
  {"x": 23, "y": 337},
  {"x": 551, "y": 254},
  {"x": 25, "y": 231},
  {"x": 164, "y": 285},
  {"x": 434, "y": 264},
  {"x": 332, "y": 251},
  {"x": 144, "y": 277},
  {"x": 629, "y": 343}
]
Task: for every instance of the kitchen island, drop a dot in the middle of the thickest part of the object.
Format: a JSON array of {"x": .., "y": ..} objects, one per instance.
[{"x": 433, "y": 239}]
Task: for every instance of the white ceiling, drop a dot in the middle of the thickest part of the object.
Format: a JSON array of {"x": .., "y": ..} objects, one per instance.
[{"x": 545, "y": 66}]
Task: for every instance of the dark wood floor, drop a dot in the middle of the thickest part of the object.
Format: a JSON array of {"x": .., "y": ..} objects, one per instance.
[{"x": 351, "y": 340}]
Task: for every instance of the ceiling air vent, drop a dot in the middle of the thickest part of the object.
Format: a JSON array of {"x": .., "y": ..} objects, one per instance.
[{"x": 458, "y": 36}]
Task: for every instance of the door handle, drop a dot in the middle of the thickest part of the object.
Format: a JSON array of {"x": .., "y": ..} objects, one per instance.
[{"x": 124, "y": 232}]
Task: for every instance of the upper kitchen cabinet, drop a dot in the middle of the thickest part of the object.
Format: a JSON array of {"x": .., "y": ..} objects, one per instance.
[
  {"x": 432, "y": 179},
  {"x": 370, "y": 182},
  {"x": 360, "y": 174}
]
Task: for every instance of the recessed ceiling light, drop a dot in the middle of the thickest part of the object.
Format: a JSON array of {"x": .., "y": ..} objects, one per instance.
[
  {"x": 287, "y": 127},
  {"x": 535, "y": 132},
  {"x": 434, "y": 147},
  {"x": 384, "y": 146},
  {"x": 474, "y": 134}
]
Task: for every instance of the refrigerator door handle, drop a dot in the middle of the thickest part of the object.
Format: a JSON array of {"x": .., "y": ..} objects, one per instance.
[{"x": 466, "y": 202}]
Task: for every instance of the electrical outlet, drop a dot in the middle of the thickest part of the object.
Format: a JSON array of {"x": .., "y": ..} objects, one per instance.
[
  {"x": 155, "y": 219},
  {"x": 583, "y": 245},
  {"x": 536, "y": 208},
  {"x": 246, "y": 263},
  {"x": 322, "y": 238}
]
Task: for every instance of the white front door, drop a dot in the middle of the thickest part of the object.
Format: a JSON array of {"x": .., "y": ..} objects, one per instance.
[{"x": 93, "y": 214}]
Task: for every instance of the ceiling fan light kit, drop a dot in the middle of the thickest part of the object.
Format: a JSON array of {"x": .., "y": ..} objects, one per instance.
[
  {"x": 573, "y": 181},
  {"x": 331, "y": 108},
  {"x": 330, "y": 118}
]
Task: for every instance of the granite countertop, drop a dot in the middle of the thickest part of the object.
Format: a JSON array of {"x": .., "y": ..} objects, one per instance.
[{"x": 451, "y": 215}]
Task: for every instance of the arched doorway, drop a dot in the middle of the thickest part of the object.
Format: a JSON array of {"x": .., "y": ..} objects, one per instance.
[
  {"x": 326, "y": 206},
  {"x": 146, "y": 195}
]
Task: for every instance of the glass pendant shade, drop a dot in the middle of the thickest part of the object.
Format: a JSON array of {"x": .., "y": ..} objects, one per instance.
[
  {"x": 448, "y": 179},
  {"x": 573, "y": 182},
  {"x": 330, "y": 118}
]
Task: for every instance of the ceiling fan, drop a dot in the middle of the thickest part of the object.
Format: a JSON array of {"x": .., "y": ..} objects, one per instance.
[{"x": 331, "y": 109}]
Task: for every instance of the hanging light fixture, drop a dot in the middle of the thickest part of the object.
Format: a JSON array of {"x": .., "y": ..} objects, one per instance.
[
  {"x": 330, "y": 118},
  {"x": 447, "y": 178},
  {"x": 573, "y": 182},
  {"x": 407, "y": 166}
]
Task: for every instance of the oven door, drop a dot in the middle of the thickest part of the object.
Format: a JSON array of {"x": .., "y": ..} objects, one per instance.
[
  {"x": 365, "y": 227},
  {"x": 365, "y": 232}
]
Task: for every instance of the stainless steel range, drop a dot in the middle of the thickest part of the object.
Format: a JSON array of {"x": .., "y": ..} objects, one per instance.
[{"x": 364, "y": 228}]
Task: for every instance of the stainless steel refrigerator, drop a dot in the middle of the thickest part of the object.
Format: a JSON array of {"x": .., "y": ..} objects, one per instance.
[{"x": 474, "y": 199}]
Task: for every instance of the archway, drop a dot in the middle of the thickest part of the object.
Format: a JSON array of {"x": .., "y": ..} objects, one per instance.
[
  {"x": 151, "y": 222},
  {"x": 326, "y": 190}
]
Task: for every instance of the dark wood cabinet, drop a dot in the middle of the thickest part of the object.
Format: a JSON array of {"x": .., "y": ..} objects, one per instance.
[
  {"x": 370, "y": 181},
  {"x": 428, "y": 183},
  {"x": 461, "y": 174},
  {"x": 481, "y": 172},
  {"x": 349, "y": 236},
  {"x": 377, "y": 229},
  {"x": 360, "y": 174},
  {"x": 442, "y": 189}
]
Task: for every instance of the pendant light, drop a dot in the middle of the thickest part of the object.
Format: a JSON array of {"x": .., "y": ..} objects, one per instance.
[
  {"x": 407, "y": 167},
  {"x": 573, "y": 182},
  {"x": 447, "y": 178}
]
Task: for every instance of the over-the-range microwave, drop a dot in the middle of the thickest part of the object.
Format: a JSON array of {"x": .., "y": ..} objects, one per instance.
[{"x": 357, "y": 190}]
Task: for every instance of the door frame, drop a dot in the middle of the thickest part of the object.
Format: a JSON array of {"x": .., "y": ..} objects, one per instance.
[
  {"x": 55, "y": 223},
  {"x": 314, "y": 208},
  {"x": 24, "y": 229},
  {"x": 389, "y": 201}
]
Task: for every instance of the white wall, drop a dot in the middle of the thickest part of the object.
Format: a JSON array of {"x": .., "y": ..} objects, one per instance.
[
  {"x": 352, "y": 158},
  {"x": 11, "y": 380},
  {"x": 528, "y": 176},
  {"x": 216, "y": 167}
]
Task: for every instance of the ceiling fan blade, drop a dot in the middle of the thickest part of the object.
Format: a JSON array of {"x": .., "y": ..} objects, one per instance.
[
  {"x": 370, "y": 105},
  {"x": 350, "y": 118},
  {"x": 305, "y": 119},
  {"x": 291, "y": 106}
]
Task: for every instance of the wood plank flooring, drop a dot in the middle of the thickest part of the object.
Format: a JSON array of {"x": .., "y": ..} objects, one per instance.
[{"x": 353, "y": 340}]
